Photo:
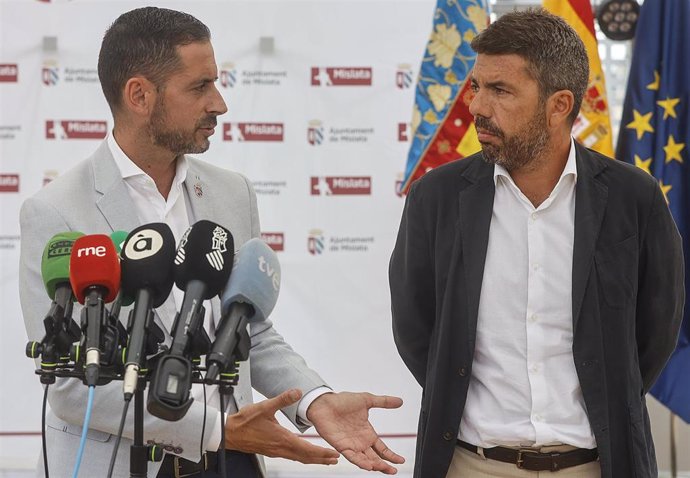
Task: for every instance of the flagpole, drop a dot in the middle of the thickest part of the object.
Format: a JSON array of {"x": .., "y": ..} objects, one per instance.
[{"x": 674, "y": 457}]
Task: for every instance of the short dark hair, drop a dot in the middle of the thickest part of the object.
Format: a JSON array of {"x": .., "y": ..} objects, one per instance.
[
  {"x": 143, "y": 42},
  {"x": 556, "y": 57}
]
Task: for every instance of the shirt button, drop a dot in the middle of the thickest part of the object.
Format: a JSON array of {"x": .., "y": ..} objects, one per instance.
[
  {"x": 533, "y": 216},
  {"x": 533, "y": 318},
  {"x": 448, "y": 436},
  {"x": 537, "y": 418},
  {"x": 534, "y": 368},
  {"x": 536, "y": 267}
]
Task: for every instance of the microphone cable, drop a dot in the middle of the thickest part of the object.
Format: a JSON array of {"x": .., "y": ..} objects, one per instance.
[
  {"x": 116, "y": 447},
  {"x": 84, "y": 430},
  {"x": 43, "y": 432},
  {"x": 221, "y": 450},
  {"x": 203, "y": 430}
]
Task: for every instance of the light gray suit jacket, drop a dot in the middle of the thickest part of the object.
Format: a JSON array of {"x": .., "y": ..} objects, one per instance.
[{"x": 92, "y": 198}]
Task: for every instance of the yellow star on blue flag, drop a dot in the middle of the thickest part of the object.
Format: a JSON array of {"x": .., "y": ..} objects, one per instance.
[{"x": 654, "y": 130}]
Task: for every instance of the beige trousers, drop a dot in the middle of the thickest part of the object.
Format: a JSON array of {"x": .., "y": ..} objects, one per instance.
[{"x": 466, "y": 464}]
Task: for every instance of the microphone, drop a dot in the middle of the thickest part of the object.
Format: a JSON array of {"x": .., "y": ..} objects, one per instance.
[
  {"x": 201, "y": 268},
  {"x": 95, "y": 278},
  {"x": 250, "y": 294},
  {"x": 118, "y": 238},
  {"x": 61, "y": 330},
  {"x": 147, "y": 267}
]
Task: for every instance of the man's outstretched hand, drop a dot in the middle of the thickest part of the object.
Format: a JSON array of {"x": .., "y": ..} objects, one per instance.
[
  {"x": 254, "y": 429},
  {"x": 342, "y": 419}
]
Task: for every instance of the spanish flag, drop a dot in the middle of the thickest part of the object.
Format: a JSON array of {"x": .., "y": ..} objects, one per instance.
[
  {"x": 442, "y": 126},
  {"x": 593, "y": 125}
]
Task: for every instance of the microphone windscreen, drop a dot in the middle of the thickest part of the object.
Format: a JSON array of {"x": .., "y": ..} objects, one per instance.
[
  {"x": 55, "y": 260},
  {"x": 94, "y": 262},
  {"x": 147, "y": 261},
  {"x": 255, "y": 279},
  {"x": 205, "y": 254},
  {"x": 118, "y": 238}
]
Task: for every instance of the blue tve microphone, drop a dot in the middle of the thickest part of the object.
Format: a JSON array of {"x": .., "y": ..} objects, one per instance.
[{"x": 250, "y": 294}]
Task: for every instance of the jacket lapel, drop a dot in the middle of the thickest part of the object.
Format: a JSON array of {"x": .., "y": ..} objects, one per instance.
[
  {"x": 114, "y": 203},
  {"x": 590, "y": 204},
  {"x": 474, "y": 218}
]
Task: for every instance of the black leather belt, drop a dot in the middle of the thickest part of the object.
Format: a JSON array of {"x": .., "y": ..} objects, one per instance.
[
  {"x": 180, "y": 467},
  {"x": 532, "y": 460}
]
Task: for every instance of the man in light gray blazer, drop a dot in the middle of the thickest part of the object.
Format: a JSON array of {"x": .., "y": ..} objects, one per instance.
[{"x": 157, "y": 71}]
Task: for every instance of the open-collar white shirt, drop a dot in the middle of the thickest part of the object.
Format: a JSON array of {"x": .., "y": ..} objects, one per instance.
[{"x": 524, "y": 389}]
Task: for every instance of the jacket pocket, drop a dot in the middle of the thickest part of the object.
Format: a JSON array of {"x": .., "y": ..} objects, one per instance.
[
  {"x": 616, "y": 266},
  {"x": 91, "y": 434}
]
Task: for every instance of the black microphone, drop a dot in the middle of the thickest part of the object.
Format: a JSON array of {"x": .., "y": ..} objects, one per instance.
[
  {"x": 251, "y": 294},
  {"x": 146, "y": 262},
  {"x": 202, "y": 267}
]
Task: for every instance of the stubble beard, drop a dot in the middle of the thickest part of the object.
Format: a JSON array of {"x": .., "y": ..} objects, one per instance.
[
  {"x": 519, "y": 150},
  {"x": 175, "y": 140}
]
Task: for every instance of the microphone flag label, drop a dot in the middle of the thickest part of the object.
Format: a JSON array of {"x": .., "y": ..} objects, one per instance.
[
  {"x": 145, "y": 243},
  {"x": 215, "y": 257}
]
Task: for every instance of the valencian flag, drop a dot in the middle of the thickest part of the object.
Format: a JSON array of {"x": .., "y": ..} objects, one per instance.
[
  {"x": 442, "y": 126},
  {"x": 654, "y": 133},
  {"x": 593, "y": 125}
]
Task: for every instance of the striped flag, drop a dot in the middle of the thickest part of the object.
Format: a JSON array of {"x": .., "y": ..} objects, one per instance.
[
  {"x": 593, "y": 125},
  {"x": 442, "y": 126}
]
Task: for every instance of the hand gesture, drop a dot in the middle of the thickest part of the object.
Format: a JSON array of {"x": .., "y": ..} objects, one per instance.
[
  {"x": 254, "y": 429},
  {"x": 342, "y": 419}
]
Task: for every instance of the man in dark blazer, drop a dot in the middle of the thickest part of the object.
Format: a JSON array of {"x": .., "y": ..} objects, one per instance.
[{"x": 537, "y": 286}]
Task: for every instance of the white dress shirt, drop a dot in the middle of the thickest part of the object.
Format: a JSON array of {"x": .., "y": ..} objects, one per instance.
[
  {"x": 150, "y": 207},
  {"x": 524, "y": 389}
]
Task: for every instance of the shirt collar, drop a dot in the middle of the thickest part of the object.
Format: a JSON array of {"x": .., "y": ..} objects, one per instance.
[
  {"x": 569, "y": 169},
  {"x": 130, "y": 170}
]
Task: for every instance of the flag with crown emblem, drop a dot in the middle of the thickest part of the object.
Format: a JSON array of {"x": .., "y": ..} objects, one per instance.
[
  {"x": 593, "y": 124},
  {"x": 442, "y": 126},
  {"x": 654, "y": 133}
]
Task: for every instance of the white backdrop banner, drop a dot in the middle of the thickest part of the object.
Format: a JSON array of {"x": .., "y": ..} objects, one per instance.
[{"x": 319, "y": 93}]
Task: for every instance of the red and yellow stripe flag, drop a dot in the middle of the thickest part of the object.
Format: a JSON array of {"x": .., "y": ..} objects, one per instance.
[{"x": 593, "y": 125}]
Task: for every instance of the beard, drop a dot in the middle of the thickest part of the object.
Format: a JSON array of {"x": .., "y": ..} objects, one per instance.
[
  {"x": 177, "y": 141},
  {"x": 518, "y": 150}
]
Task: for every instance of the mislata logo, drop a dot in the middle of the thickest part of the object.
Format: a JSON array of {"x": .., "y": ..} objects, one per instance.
[
  {"x": 403, "y": 132},
  {"x": 253, "y": 132},
  {"x": 98, "y": 251},
  {"x": 340, "y": 185},
  {"x": 69, "y": 129},
  {"x": 274, "y": 240},
  {"x": 341, "y": 76},
  {"x": 9, "y": 73},
  {"x": 316, "y": 242},
  {"x": 227, "y": 75},
  {"x": 143, "y": 244},
  {"x": 9, "y": 183},
  {"x": 403, "y": 77}
]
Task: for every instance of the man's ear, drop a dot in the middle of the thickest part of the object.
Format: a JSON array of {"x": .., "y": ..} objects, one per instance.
[
  {"x": 139, "y": 96},
  {"x": 558, "y": 108}
]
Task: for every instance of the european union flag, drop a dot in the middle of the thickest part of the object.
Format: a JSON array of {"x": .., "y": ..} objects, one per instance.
[{"x": 654, "y": 135}]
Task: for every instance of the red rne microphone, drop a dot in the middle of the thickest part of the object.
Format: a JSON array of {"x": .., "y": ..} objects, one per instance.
[
  {"x": 94, "y": 272},
  {"x": 94, "y": 263}
]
